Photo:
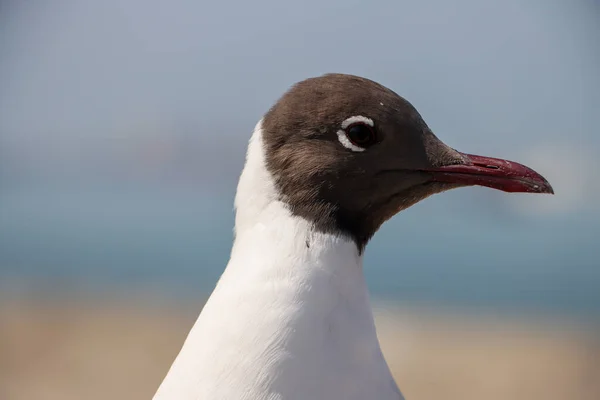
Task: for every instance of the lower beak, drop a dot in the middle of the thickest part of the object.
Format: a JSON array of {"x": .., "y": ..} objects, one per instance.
[{"x": 495, "y": 173}]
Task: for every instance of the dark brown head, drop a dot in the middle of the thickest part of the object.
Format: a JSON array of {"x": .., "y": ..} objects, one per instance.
[{"x": 347, "y": 154}]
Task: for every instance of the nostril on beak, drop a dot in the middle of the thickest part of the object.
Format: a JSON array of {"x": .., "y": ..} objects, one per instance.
[{"x": 486, "y": 166}]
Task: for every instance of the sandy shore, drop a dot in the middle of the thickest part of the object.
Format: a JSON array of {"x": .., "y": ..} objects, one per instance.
[{"x": 99, "y": 349}]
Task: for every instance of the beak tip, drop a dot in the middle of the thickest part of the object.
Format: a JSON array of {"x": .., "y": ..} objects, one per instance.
[{"x": 542, "y": 185}]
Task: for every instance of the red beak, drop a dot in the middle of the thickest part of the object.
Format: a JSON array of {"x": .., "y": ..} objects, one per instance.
[{"x": 495, "y": 173}]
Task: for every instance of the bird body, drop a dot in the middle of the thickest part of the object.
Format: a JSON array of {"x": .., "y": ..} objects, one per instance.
[
  {"x": 289, "y": 298},
  {"x": 290, "y": 317}
]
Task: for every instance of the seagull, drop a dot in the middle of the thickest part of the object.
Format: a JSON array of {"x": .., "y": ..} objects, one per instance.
[{"x": 290, "y": 317}]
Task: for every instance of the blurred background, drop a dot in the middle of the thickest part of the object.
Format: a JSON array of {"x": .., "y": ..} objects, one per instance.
[{"x": 123, "y": 127}]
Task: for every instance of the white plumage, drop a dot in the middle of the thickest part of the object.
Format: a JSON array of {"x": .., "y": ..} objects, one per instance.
[{"x": 290, "y": 317}]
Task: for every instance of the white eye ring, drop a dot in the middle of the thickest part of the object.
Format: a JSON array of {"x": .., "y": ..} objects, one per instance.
[
  {"x": 357, "y": 118},
  {"x": 341, "y": 134}
]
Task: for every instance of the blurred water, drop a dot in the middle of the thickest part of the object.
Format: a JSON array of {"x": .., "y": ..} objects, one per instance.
[{"x": 178, "y": 239}]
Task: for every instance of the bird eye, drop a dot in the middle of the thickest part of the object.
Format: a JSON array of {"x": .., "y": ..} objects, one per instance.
[{"x": 361, "y": 134}]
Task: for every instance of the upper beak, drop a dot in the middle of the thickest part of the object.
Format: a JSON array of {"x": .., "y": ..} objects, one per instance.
[{"x": 495, "y": 173}]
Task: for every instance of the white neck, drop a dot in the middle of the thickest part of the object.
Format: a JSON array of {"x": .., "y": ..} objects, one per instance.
[{"x": 290, "y": 317}]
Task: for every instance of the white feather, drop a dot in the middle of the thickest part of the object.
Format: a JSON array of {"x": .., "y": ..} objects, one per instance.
[
  {"x": 290, "y": 317},
  {"x": 357, "y": 118},
  {"x": 341, "y": 134}
]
